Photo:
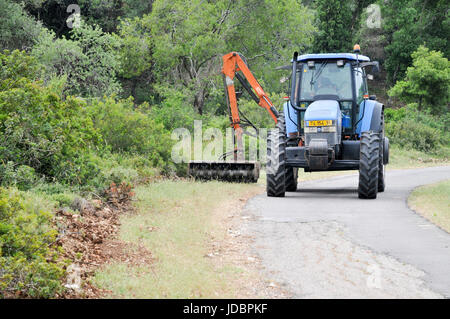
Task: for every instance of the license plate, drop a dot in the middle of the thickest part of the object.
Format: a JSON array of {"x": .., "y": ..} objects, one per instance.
[{"x": 320, "y": 123}]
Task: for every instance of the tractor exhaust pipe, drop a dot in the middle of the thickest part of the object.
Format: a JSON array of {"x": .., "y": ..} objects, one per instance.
[{"x": 293, "y": 97}]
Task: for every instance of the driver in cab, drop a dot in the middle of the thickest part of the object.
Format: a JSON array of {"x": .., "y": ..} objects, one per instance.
[{"x": 325, "y": 87}]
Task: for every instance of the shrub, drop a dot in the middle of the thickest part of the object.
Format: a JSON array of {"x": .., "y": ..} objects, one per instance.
[
  {"x": 23, "y": 176},
  {"x": 40, "y": 129},
  {"x": 411, "y": 134},
  {"x": 28, "y": 264},
  {"x": 173, "y": 111},
  {"x": 409, "y": 128},
  {"x": 63, "y": 199},
  {"x": 125, "y": 128}
]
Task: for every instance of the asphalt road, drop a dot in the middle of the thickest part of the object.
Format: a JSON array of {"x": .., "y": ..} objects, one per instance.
[{"x": 324, "y": 242}]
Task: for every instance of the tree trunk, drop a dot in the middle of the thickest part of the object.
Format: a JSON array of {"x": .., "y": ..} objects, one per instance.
[{"x": 199, "y": 101}]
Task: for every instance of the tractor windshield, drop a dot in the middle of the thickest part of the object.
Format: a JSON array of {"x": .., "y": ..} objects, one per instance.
[{"x": 326, "y": 78}]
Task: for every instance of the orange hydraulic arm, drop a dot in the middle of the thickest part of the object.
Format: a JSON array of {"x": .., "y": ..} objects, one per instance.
[{"x": 232, "y": 64}]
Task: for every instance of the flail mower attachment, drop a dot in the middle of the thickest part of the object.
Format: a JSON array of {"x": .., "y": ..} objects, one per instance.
[{"x": 236, "y": 171}]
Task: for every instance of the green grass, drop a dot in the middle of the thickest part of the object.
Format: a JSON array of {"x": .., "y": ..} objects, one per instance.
[
  {"x": 180, "y": 214},
  {"x": 433, "y": 202},
  {"x": 401, "y": 158}
]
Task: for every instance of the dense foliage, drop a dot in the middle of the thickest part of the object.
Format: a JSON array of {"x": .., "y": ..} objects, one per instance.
[
  {"x": 17, "y": 29},
  {"x": 42, "y": 132},
  {"x": 28, "y": 265},
  {"x": 427, "y": 82},
  {"x": 413, "y": 129},
  {"x": 88, "y": 61},
  {"x": 126, "y": 129},
  {"x": 334, "y": 21},
  {"x": 407, "y": 24}
]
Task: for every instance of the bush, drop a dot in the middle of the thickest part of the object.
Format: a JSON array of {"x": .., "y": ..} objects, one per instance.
[
  {"x": 411, "y": 134},
  {"x": 28, "y": 264},
  {"x": 63, "y": 199},
  {"x": 40, "y": 129},
  {"x": 125, "y": 128},
  {"x": 409, "y": 128},
  {"x": 173, "y": 111},
  {"x": 23, "y": 176}
]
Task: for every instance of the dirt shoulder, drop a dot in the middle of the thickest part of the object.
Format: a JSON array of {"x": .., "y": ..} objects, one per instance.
[{"x": 230, "y": 246}]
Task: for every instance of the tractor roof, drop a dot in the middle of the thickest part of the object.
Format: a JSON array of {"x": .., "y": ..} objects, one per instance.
[{"x": 332, "y": 56}]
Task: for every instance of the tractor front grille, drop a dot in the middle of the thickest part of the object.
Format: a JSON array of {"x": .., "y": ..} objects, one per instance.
[{"x": 332, "y": 138}]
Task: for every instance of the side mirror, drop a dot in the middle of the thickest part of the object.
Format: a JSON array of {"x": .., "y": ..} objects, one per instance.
[
  {"x": 369, "y": 77},
  {"x": 376, "y": 67},
  {"x": 374, "y": 64}
]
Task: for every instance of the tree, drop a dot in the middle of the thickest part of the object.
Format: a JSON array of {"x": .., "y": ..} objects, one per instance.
[
  {"x": 269, "y": 40},
  {"x": 409, "y": 23},
  {"x": 189, "y": 38},
  {"x": 89, "y": 61},
  {"x": 334, "y": 21},
  {"x": 17, "y": 29},
  {"x": 135, "y": 54},
  {"x": 427, "y": 82}
]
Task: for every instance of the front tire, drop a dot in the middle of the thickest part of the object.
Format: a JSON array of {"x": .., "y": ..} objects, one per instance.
[
  {"x": 369, "y": 165},
  {"x": 276, "y": 159}
]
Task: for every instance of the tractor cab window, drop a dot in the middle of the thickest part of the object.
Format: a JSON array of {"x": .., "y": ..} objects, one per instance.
[
  {"x": 325, "y": 78},
  {"x": 360, "y": 85}
]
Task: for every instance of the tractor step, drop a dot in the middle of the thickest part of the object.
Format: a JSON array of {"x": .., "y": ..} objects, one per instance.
[{"x": 236, "y": 171}]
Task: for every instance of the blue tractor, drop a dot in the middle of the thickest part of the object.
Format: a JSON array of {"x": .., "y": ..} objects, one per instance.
[{"x": 329, "y": 123}]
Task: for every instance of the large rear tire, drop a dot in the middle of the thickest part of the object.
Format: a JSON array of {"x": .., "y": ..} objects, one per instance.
[
  {"x": 381, "y": 171},
  {"x": 291, "y": 176},
  {"x": 276, "y": 159},
  {"x": 381, "y": 167},
  {"x": 369, "y": 165}
]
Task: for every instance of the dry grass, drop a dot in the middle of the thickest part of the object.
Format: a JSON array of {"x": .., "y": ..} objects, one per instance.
[{"x": 433, "y": 202}]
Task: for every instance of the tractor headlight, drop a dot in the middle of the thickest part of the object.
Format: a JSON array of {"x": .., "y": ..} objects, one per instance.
[
  {"x": 309, "y": 129},
  {"x": 329, "y": 129},
  {"x": 320, "y": 129}
]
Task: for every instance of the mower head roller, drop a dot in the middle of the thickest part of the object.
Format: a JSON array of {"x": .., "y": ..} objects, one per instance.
[{"x": 236, "y": 171}]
